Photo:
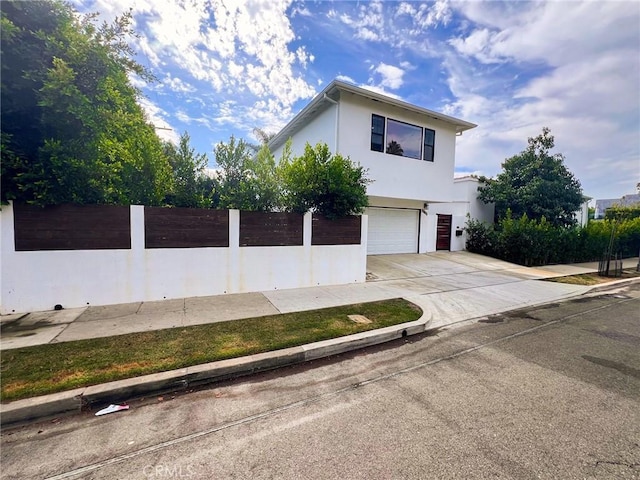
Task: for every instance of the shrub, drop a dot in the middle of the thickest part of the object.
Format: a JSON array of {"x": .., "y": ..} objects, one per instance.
[
  {"x": 537, "y": 242},
  {"x": 481, "y": 237},
  {"x": 619, "y": 212}
]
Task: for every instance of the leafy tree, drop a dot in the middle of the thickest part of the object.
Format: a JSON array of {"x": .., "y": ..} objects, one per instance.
[
  {"x": 72, "y": 130},
  {"x": 265, "y": 180},
  {"x": 394, "y": 148},
  {"x": 328, "y": 184},
  {"x": 191, "y": 186},
  {"x": 263, "y": 136},
  {"x": 535, "y": 183},
  {"x": 246, "y": 182}
]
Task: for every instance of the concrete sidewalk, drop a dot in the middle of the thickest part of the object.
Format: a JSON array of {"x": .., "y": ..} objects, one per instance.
[{"x": 448, "y": 286}]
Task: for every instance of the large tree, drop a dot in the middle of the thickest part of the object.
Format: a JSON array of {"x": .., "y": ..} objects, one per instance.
[
  {"x": 247, "y": 180},
  {"x": 192, "y": 187},
  {"x": 536, "y": 183},
  {"x": 72, "y": 130},
  {"x": 320, "y": 181}
]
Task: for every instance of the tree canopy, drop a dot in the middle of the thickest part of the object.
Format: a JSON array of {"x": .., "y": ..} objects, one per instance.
[
  {"x": 247, "y": 181},
  {"x": 72, "y": 130},
  {"x": 536, "y": 183},
  {"x": 331, "y": 185},
  {"x": 192, "y": 187},
  {"x": 317, "y": 180}
]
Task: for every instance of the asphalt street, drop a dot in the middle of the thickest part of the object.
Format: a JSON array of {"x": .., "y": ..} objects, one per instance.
[{"x": 548, "y": 392}]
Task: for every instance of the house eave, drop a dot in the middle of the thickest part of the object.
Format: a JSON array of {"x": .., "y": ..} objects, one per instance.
[{"x": 337, "y": 86}]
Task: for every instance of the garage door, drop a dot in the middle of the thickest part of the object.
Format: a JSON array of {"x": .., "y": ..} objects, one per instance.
[{"x": 392, "y": 230}]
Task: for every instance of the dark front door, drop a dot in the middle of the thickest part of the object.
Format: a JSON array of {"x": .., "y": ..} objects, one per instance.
[{"x": 443, "y": 238}]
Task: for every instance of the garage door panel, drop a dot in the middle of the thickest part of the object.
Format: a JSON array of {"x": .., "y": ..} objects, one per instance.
[{"x": 392, "y": 230}]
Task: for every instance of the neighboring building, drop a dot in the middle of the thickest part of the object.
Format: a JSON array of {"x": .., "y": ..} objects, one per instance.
[
  {"x": 582, "y": 215},
  {"x": 409, "y": 152},
  {"x": 625, "y": 201}
]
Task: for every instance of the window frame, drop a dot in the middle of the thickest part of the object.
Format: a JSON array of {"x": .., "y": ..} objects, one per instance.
[
  {"x": 432, "y": 146},
  {"x": 420, "y": 141},
  {"x": 382, "y": 147},
  {"x": 382, "y": 135}
]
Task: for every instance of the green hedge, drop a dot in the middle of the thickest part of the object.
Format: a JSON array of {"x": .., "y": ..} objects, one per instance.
[{"x": 537, "y": 242}]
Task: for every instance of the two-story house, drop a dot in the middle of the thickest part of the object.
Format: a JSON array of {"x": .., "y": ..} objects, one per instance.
[{"x": 409, "y": 152}]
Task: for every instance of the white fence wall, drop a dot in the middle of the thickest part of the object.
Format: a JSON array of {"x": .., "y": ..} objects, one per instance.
[{"x": 36, "y": 281}]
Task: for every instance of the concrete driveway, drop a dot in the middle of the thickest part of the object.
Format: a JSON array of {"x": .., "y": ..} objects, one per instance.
[
  {"x": 448, "y": 265},
  {"x": 456, "y": 286}
]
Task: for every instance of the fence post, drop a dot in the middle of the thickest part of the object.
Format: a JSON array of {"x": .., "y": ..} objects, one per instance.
[{"x": 233, "y": 269}]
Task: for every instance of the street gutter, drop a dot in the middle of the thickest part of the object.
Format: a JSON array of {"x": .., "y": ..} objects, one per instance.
[{"x": 86, "y": 398}]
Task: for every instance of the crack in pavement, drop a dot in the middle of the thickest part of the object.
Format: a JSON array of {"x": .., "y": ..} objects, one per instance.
[{"x": 315, "y": 399}]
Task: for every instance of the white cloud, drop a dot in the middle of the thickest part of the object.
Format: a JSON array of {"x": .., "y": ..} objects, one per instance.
[
  {"x": 301, "y": 10},
  {"x": 381, "y": 91},
  {"x": 553, "y": 32},
  {"x": 478, "y": 44},
  {"x": 405, "y": 9},
  {"x": 369, "y": 23},
  {"x": 404, "y": 25},
  {"x": 432, "y": 15},
  {"x": 175, "y": 84},
  {"x": 391, "y": 76},
  {"x": 157, "y": 117},
  {"x": 581, "y": 81},
  {"x": 183, "y": 117},
  {"x": 345, "y": 78},
  {"x": 234, "y": 47}
]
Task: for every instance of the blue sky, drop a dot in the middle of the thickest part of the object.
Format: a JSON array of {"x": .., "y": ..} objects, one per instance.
[{"x": 225, "y": 67}]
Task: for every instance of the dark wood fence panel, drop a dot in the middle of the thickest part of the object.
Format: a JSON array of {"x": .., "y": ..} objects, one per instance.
[
  {"x": 270, "y": 229},
  {"x": 342, "y": 231},
  {"x": 185, "y": 227},
  {"x": 71, "y": 227}
]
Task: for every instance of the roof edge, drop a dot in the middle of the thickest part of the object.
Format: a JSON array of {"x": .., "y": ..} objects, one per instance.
[{"x": 338, "y": 85}]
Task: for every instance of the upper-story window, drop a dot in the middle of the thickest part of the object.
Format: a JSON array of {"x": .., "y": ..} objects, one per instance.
[
  {"x": 377, "y": 133},
  {"x": 403, "y": 139},
  {"x": 429, "y": 142}
]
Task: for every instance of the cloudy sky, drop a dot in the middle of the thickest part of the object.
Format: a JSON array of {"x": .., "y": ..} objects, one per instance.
[{"x": 511, "y": 67}]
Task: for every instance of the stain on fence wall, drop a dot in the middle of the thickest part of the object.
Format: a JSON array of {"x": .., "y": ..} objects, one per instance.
[
  {"x": 269, "y": 229},
  {"x": 185, "y": 227},
  {"x": 71, "y": 227},
  {"x": 342, "y": 231}
]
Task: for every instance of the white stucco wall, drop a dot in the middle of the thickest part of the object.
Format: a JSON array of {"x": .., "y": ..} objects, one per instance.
[
  {"x": 466, "y": 190},
  {"x": 582, "y": 215},
  {"x": 322, "y": 129},
  {"x": 429, "y": 220},
  {"x": 35, "y": 281},
  {"x": 458, "y": 212},
  {"x": 395, "y": 176}
]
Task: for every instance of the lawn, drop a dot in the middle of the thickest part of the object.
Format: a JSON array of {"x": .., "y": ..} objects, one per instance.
[
  {"x": 594, "y": 278},
  {"x": 32, "y": 371}
]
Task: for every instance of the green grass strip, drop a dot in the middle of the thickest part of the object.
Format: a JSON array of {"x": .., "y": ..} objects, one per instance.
[{"x": 43, "y": 369}]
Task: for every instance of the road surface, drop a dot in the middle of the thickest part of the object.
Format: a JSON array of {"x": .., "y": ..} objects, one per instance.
[{"x": 550, "y": 392}]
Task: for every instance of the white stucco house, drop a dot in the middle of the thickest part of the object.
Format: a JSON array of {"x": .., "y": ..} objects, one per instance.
[{"x": 416, "y": 206}]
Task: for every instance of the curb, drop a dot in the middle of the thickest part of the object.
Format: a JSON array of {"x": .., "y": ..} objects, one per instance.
[
  {"x": 612, "y": 285},
  {"x": 46, "y": 406},
  {"x": 38, "y": 408}
]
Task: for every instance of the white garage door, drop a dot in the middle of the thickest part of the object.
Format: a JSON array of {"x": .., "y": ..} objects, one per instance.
[{"x": 392, "y": 230}]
